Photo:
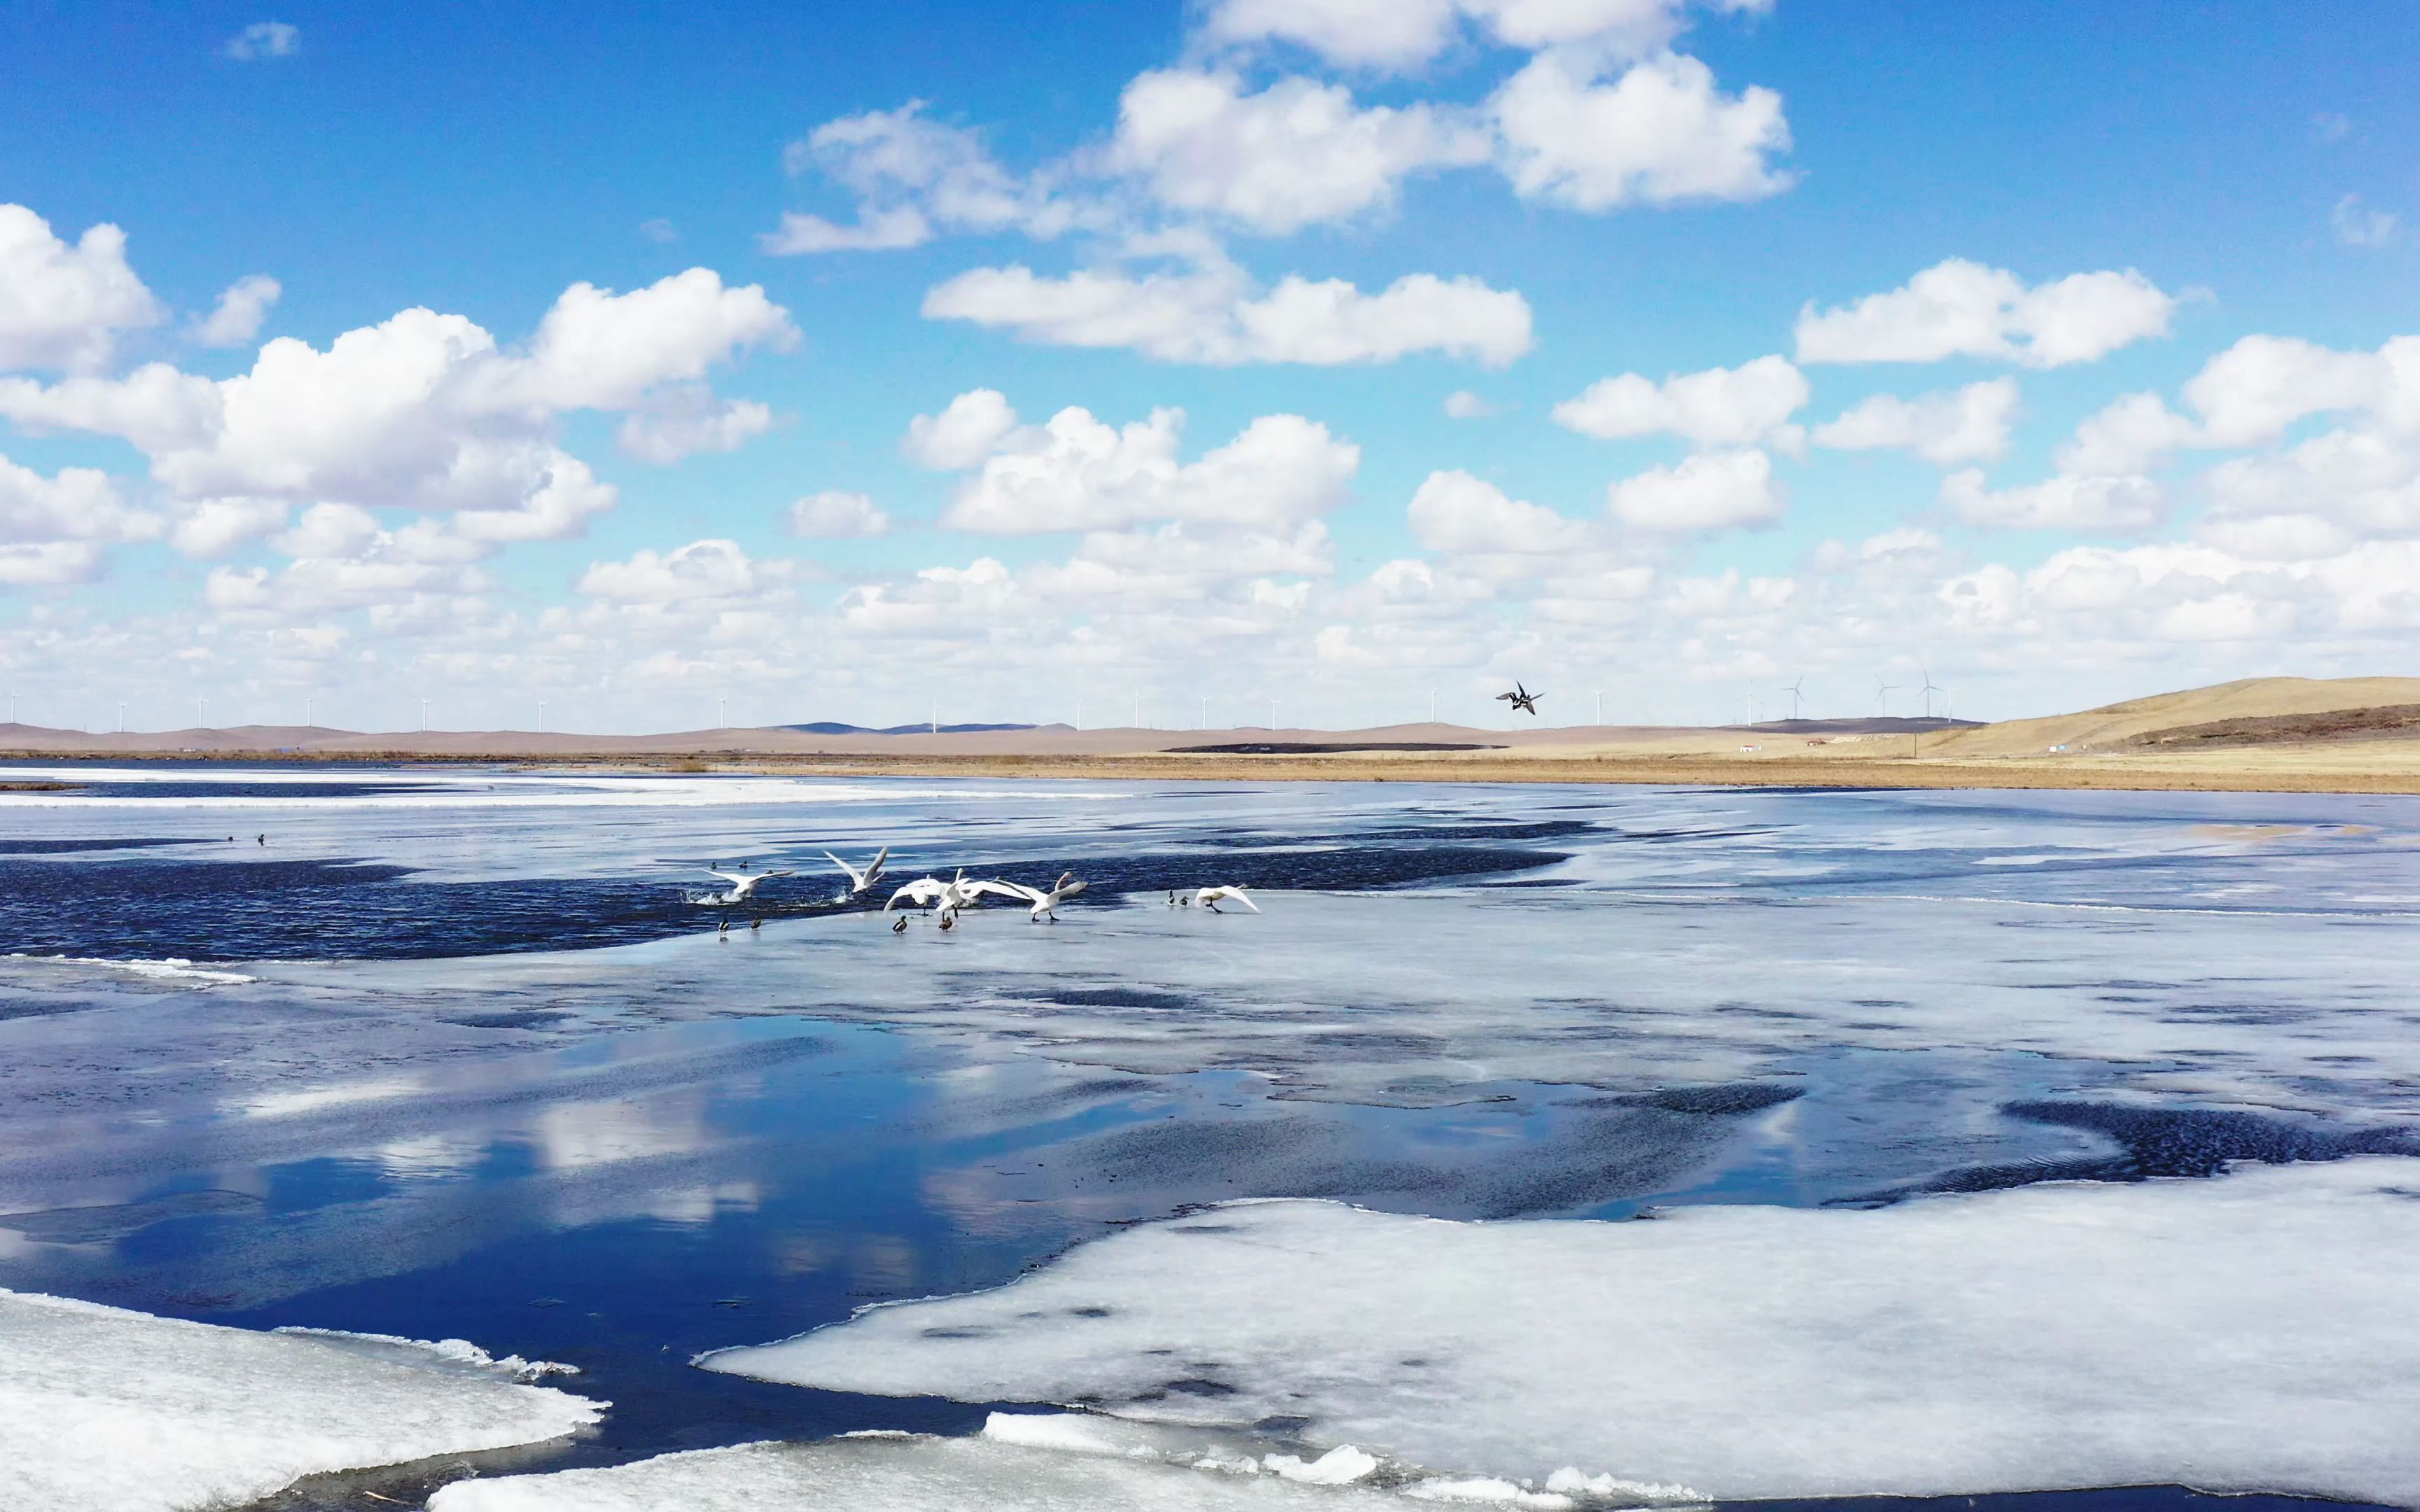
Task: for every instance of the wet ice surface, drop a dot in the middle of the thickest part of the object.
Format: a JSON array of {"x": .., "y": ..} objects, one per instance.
[{"x": 379, "y": 1074}]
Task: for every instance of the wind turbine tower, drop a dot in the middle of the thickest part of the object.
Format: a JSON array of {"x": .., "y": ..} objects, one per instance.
[
  {"x": 1930, "y": 689},
  {"x": 1792, "y": 690},
  {"x": 1882, "y": 696}
]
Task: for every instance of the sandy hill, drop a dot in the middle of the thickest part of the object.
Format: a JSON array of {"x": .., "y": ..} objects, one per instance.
[{"x": 2121, "y": 725}]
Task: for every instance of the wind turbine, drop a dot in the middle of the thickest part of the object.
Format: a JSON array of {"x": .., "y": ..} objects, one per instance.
[
  {"x": 1791, "y": 689},
  {"x": 1599, "y": 709},
  {"x": 1882, "y": 696},
  {"x": 541, "y": 716},
  {"x": 1930, "y": 689}
]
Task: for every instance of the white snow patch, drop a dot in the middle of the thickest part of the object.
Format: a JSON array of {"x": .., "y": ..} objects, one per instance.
[
  {"x": 899, "y": 1473},
  {"x": 112, "y": 1411},
  {"x": 2255, "y": 1332},
  {"x": 1340, "y": 1466}
]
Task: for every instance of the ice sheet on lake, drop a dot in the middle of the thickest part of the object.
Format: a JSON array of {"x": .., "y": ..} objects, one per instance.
[
  {"x": 111, "y": 1411},
  {"x": 1020, "y": 1464},
  {"x": 2258, "y": 1331}
]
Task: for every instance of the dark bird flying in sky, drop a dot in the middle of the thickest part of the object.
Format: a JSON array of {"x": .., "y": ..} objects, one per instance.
[{"x": 1520, "y": 698}]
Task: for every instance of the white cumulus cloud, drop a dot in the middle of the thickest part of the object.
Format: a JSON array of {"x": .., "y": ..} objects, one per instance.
[
  {"x": 1294, "y": 154},
  {"x": 1721, "y": 407},
  {"x": 2253, "y": 391},
  {"x": 1211, "y": 313},
  {"x": 700, "y": 571},
  {"x": 1965, "y": 309},
  {"x": 1404, "y": 33},
  {"x": 1709, "y": 491},
  {"x": 962, "y": 435},
  {"x": 1079, "y": 473},
  {"x": 2069, "y": 502},
  {"x": 837, "y": 516},
  {"x": 61, "y": 306},
  {"x": 913, "y": 178},
  {"x": 2344, "y": 487},
  {"x": 689, "y": 418},
  {"x": 1968, "y": 425},
  {"x": 423, "y": 412},
  {"x": 213, "y": 527},
  {"x": 53, "y": 530},
  {"x": 2130, "y": 434},
  {"x": 238, "y": 315},
  {"x": 1659, "y": 134},
  {"x": 1454, "y": 512}
]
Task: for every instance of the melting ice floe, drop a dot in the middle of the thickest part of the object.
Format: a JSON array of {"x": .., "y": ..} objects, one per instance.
[
  {"x": 122, "y": 1412},
  {"x": 1022, "y": 1462},
  {"x": 2259, "y": 1331}
]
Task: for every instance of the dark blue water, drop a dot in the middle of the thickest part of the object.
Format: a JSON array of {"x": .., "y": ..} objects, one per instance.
[{"x": 246, "y": 906}]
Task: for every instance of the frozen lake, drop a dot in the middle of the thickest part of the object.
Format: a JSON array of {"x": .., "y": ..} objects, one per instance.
[{"x": 456, "y": 1054}]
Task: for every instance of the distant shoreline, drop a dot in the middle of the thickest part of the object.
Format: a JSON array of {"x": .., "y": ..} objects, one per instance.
[
  {"x": 2382, "y": 768},
  {"x": 2271, "y": 735}
]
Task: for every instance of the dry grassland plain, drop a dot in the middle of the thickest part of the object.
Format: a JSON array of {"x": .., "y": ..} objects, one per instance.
[{"x": 2266, "y": 734}]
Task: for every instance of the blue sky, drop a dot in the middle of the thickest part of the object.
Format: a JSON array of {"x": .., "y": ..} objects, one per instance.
[{"x": 1909, "y": 250}]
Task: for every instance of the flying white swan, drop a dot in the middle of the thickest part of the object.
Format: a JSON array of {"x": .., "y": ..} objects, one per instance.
[
  {"x": 1210, "y": 896},
  {"x": 1043, "y": 904},
  {"x": 944, "y": 897},
  {"x": 923, "y": 892},
  {"x": 859, "y": 881},
  {"x": 743, "y": 884}
]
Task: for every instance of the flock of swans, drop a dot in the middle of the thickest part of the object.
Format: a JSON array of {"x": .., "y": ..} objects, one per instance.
[{"x": 943, "y": 901}]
